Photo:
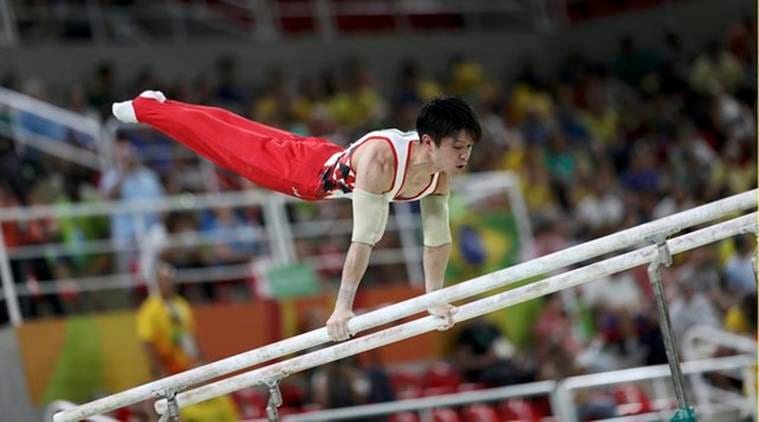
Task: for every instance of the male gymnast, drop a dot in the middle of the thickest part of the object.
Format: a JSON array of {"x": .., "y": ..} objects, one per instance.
[{"x": 381, "y": 167}]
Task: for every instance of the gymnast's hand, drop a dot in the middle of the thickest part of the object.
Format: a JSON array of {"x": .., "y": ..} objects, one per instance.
[
  {"x": 337, "y": 324},
  {"x": 446, "y": 312}
]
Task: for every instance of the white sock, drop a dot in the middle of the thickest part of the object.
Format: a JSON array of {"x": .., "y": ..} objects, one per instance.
[
  {"x": 155, "y": 95},
  {"x": 124, "y": 111}
]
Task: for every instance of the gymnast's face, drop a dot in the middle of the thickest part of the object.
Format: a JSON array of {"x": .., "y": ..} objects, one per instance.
[{"x": 453, "y": 152}]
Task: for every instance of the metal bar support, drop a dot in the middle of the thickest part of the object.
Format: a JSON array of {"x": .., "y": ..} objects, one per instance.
[
  {"x": 170, "y": 394},
  {"x": 664, "y": 259},
  {"x": 275, "y": 400}
]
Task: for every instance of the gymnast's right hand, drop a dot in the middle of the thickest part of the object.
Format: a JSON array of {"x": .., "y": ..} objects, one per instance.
[{"x": 337, "y": 324}]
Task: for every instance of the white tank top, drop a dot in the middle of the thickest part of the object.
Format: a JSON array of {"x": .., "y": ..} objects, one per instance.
[{"x": 339, "y": 177}]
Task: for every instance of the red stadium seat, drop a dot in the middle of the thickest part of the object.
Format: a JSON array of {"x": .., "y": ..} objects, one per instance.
[
  {"x": 631, "y": 400},
  {"x": 404, "y": 417},
  {"x": 517, "y": 410},
  {"x": 470, "y": 386},
  {"x": 311, "y": 407},
  {"x": 360, "y": 19},
  {"x": 442, "y": 375},
  {"x": 251, "y": 403},
  {"x": 284, "y": 411},
  {"x": 296, "y": 18},
  {"x": 124, "y": 414},
  {"x": 438, "y": 391},
  {"x": 445, "y": 415},
  {"x": 480, "y": 413},
  {"x": 292, "y": 394},
  {"x": 406, "y": 384}
]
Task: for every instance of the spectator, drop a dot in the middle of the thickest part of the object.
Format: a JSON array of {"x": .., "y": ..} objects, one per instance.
[
  {"x": 182, "y": 227},
  {"x": 485, "y": 356},
  {"x": 632, "y": 63},
  {"x": 129, "y": 181},
  {"x": 229, "y": 92},
  {"x": 340, "y": 384},
  {"x": 103, "y": 90},
  {"x": 741, "y": 318},
  {"x": 31, "y": 271},
  {"x": 740, "y": 276},
  {"x": 237, "y": 242},
  {"x": 601, "y": 209},
  {"x": 690, "y": 308},
  {"x": 166, "y": 326},
  {"x": 715, "y": 67}
]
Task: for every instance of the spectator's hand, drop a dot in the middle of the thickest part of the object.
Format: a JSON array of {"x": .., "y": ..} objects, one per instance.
[
  {"x": 337, "y": 324},
  {"x": 446, "y": 312}
]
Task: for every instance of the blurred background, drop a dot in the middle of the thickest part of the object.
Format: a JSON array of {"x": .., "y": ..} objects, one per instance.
[{"x": 126, "y": 257}]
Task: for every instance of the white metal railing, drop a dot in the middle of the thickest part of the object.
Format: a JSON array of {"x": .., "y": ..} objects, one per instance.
[
  {"x": 714, "y": 337},
  {"x": 279, "y": 234},
  {"x": 23, "y": 107},
  {"x": 563, "y": 395},
  {"x": 541, "y": 388},
  {"x": 693, "y": 341},
  {"x": 543, "y": 265}
]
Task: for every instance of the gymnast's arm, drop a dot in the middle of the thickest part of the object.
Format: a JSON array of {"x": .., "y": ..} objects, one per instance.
[
  {"x": 437, "y": 244},
  {"x": 375, "y": 171}
]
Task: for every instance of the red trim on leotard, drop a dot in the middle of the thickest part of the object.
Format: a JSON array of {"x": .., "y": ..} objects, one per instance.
[
  {"x": 405, "y": 176},
  {"x": 395, "y": 158}
]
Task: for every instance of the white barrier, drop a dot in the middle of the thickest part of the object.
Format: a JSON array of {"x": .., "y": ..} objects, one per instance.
[
  {"x": 445, "y": 400},
  {"x": 563, "y": 395},
  {"x": 525, "y": 390},
  {"x": 18, "y": 103},
  {"x": 693, "y": 341},
  {"x": 543, "y": 265}
]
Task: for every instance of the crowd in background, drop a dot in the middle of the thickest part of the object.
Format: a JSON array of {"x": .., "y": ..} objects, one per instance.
[{"x": 598, "y": 147}]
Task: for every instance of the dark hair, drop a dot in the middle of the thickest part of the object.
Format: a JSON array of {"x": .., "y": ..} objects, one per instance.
[{"x": 442, "y": 117}]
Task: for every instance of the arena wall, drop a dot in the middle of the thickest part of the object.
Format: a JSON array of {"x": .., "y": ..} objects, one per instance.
[{"x": 696, "y": 21}]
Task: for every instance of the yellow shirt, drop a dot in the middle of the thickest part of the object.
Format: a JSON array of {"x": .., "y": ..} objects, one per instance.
[
  {"x": 219, "y": 409},
  {"x": 170, "y": 327},
  {"x": 603, "y": 126},
  {"x": 735, "y": 321}
]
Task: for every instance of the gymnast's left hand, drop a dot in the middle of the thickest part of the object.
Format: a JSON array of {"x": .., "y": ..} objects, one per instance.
[
  {"x": 337, "y": 324},
  {"x": 446, "y": 312}
]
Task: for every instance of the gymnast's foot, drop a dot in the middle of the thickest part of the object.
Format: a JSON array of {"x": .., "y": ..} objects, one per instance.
[{"x": 124, "y": 111}]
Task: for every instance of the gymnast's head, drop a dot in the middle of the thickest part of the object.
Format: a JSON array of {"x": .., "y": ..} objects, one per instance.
[{"x": 448, "y": 129}]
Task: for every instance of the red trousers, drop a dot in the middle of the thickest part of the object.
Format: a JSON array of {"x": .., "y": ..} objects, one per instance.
[{"x": 272, "y": 158}]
